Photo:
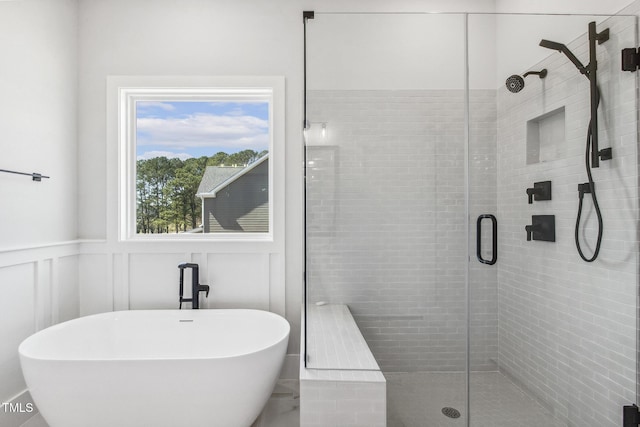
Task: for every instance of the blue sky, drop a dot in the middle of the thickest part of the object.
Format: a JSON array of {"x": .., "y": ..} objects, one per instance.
[{"x": 187, "y": 129}]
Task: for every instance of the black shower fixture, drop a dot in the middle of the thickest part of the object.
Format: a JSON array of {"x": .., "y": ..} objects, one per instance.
[
  {"x": 592, "y": 154},
  {"x": 515, "y": 83},
  {"x": 564, "y": 49},
  {"x": 590, "y": 73},
  {"x": 543, "y": 227}
]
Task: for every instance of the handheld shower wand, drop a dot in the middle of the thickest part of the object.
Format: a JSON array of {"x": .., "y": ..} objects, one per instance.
[
  {"x": 590, "y": 73},
  {"x": 564, "y": 49},
  {"x": 592, "y": 154}
]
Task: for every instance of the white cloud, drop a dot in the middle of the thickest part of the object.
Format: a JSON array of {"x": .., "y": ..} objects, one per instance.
[
  {"x": 146, "y": 105},
  {"x": 204, "y": 130},
  {"x": 168, "y": 154},
  {"x": 235, "y": 112}
]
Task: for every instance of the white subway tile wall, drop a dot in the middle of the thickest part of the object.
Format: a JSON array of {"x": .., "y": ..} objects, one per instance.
[
  {"x": 567, "y": 328},
  {"x": 343, "y": 403},
  {"x": 386, "y": 221}
]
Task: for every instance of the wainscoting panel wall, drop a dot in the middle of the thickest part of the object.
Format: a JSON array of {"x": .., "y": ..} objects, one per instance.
[
  {"x": 145, "y": 275},
  {"x": 150, "y": 284},
  {"x": 96, "y": 290},
  {"x": 234, "y": 285},
  {"x": 17, "y": 308},
  {"x": 38, "y": 288},
  {"x": 68, "y": 289}
]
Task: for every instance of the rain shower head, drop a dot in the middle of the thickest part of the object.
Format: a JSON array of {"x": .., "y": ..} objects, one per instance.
[{"x": 515, "y": 83}]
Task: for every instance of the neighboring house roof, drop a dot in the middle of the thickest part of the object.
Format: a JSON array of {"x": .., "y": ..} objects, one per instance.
[
  {"x": 218, "y": 177},
  {"x": 215, "y": 175}
]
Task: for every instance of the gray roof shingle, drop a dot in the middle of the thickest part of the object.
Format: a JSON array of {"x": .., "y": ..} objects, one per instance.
[{"x": 216, "y": 175}]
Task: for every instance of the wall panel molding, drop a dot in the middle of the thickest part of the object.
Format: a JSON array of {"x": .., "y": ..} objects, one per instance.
[
  {"x": 134, "y": 275},
  {"x": 39, "y": 286}
]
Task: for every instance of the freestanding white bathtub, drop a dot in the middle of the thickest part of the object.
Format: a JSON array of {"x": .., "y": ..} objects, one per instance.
[{"x": 173, "y": 368}]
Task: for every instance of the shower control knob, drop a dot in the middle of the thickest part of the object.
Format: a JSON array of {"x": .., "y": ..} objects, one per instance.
[
  {"x": 540, "y": 191},
  {"x": 530, "y": 229},
  {"x": 543, "y": 227}
]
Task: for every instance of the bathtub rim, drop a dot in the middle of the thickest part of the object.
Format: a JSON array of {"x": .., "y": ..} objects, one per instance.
[{"x": 284, "y": 337}]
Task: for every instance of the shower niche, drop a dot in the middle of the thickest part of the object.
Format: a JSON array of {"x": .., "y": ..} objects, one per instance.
[{"x": 546, "y": 137}]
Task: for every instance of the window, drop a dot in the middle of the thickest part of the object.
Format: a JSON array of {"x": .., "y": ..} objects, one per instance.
[{"x": 196, "y": 162}]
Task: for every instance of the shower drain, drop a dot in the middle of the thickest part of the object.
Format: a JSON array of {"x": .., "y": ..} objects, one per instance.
[{"x": 451, "y": 412}]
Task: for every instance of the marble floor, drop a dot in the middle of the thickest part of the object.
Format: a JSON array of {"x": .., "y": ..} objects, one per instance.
[
  {"x": 416, "y": 399},
  {"x": 282, "y": 409}
]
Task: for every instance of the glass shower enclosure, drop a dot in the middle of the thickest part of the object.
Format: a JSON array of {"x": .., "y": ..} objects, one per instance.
[{"x": 445, "y": 162}]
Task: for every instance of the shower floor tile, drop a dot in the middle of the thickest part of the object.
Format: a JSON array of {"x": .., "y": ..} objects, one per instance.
[{"x": 416, "y": 399}]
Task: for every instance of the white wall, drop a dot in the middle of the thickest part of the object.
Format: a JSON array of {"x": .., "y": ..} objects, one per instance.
[
  {"x": 385, "y": 52},
  {"x": 429, "y": 6},
  {"x": 38, "y": 121},
  {"x": 398, "y": 51},
  {"x": 38, "y": 271},
  {"x": 564, "y": 6}
]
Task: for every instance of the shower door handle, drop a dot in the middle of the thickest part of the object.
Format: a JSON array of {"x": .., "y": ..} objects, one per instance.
[{"x": 494, "y": 251}]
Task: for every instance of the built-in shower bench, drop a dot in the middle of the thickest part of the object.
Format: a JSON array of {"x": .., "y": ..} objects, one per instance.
[{"x": 343, "y": 385}]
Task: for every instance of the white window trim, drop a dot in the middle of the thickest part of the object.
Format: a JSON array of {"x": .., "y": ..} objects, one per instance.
[{"x": 124, "y": 91}]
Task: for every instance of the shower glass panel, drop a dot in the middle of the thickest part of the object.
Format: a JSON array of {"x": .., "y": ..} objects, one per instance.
[
  {"x": 414, "y": 145},
  {"x": 385, "y": 186},
  {"x": 385, "y": 202}
]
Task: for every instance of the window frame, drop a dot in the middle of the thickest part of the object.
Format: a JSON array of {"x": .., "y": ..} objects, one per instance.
[{"x": 134, "y": 89}]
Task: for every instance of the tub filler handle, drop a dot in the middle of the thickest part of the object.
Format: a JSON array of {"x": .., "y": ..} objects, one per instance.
[{"x": 196, "y": 287}]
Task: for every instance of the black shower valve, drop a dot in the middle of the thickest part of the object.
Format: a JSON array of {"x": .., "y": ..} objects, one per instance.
[
  {"x": 543, "y": 227},
  {"x": 540, "y": 191}
]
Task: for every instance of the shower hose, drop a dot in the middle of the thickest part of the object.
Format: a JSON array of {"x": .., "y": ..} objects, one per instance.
[{"x": 589, "y": 188}]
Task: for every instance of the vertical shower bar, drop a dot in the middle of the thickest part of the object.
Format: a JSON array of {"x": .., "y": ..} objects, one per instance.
[
  {"x": 467, "y": 213},
  {"x": 593, "y": 82}
]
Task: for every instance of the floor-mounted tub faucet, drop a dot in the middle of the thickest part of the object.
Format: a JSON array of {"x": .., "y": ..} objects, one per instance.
[{"x": 196, "y": 287}]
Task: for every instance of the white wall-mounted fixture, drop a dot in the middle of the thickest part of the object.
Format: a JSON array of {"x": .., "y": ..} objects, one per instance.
[{"x": 316, "y": 133}]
